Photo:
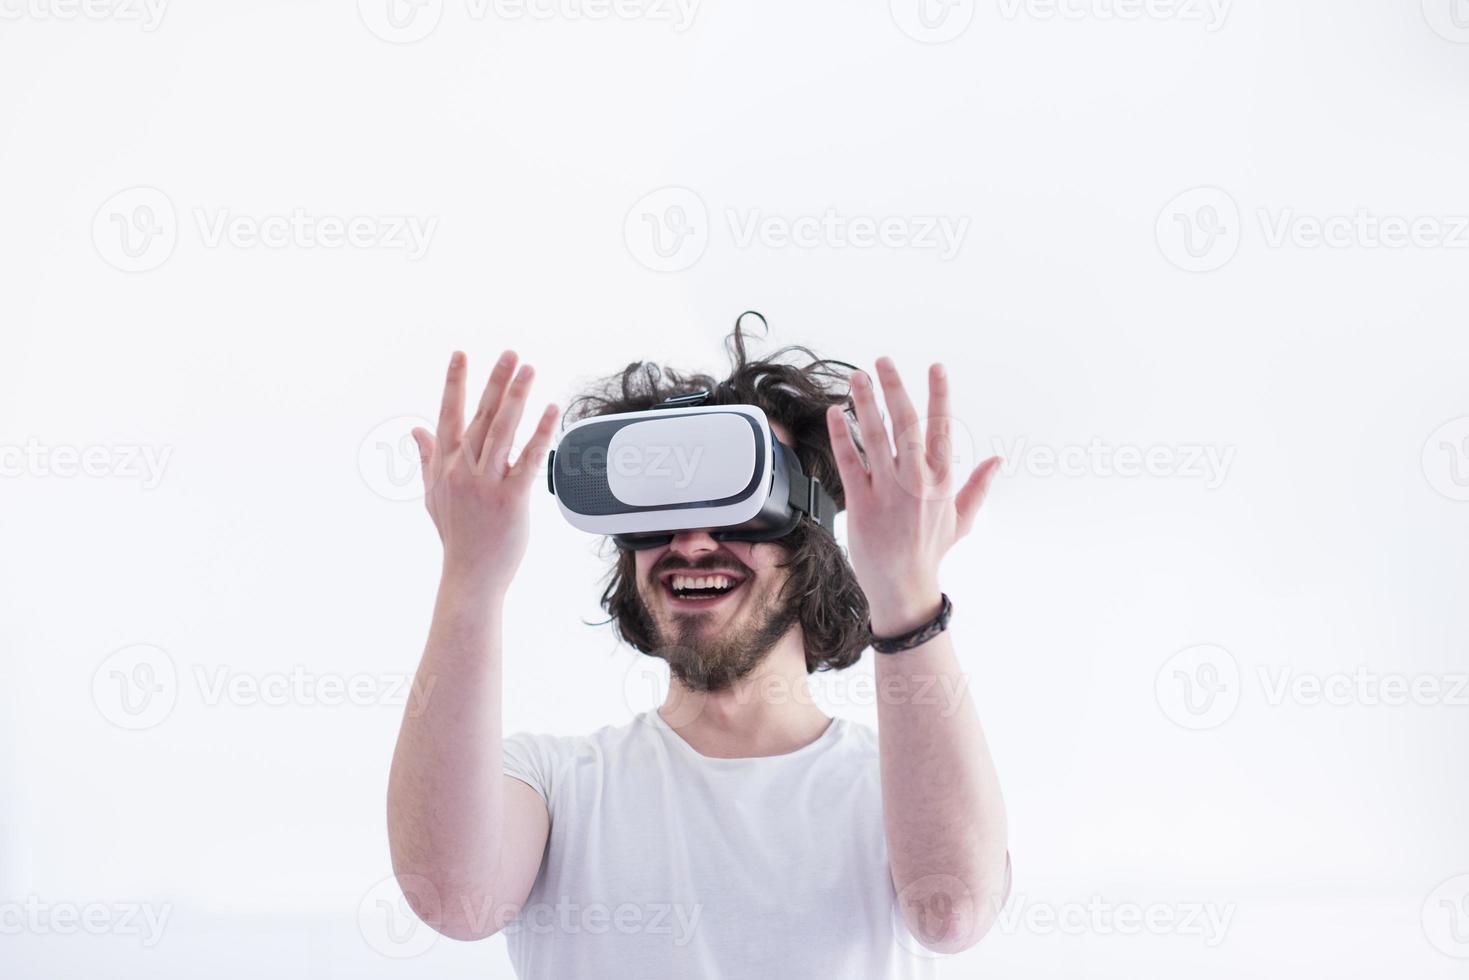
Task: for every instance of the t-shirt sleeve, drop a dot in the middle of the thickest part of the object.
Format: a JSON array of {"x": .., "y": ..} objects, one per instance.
[{"x": 530, "y": 758}]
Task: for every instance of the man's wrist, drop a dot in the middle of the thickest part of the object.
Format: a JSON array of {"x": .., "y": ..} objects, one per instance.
[
  {"x": 466, "y": 583},
  {"x": 902, "y": 611}
]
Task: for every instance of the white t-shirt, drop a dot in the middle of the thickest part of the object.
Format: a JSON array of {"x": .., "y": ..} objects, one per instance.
[{"x": 663, "y": 862}]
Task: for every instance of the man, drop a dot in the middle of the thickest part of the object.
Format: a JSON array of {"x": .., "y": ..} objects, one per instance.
[{"x": 736, "y": 831}]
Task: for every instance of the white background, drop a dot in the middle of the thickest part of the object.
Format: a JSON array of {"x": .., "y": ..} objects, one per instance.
[{"x": 279, "y": 380}]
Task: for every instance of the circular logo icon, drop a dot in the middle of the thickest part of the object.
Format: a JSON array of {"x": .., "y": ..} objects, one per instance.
[
  {"x": 645, "y": 688},
  {"x": 946, "y": 438},
  {"x": 1448, "y": 18},
  {"x": 387, "y": 921},
  {"x": 667, "y": 230},
  {"x": 401, "y": 21},
  {"x": 135, "y": 230},
  {"x": 1446, "y": 459},
  {"x": 1446, "y": 917},
  {"x": 388, "y": 459},
  {"x": 136, "y": 687},
  {"x": 939, "y": 907},
  {"x": 932, "y": 21},
  {"x": 1199, "y": 687},
  {"x": 1199, "y": 230}
]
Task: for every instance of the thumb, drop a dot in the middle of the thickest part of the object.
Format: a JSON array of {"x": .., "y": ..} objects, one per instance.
[{"x": 967, "y": 502}]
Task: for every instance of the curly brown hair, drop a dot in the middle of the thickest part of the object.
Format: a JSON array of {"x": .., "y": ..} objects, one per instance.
[{"x": 832, "y": 608}]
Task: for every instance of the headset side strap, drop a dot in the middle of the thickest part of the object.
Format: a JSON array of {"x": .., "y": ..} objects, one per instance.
[{"x": 808, "y": 496}]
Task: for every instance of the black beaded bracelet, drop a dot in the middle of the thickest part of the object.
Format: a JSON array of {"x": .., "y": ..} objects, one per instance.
[{"x": 913, "y": 638}]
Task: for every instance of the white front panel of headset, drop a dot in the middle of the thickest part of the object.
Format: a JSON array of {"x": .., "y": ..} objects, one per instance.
[{"x": 680, "y": 459}]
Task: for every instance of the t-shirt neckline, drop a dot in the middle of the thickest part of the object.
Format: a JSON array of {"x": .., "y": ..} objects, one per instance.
[{"x": 828, "y": 736}]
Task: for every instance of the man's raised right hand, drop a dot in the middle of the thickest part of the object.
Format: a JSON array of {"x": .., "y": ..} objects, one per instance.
[{"x": 478, "y": 500}]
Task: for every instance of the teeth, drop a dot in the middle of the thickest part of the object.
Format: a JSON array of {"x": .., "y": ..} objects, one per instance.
[{"x": 681, "y": 582}]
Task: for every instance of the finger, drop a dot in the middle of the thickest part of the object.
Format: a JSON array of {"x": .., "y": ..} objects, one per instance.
[
  {"x": 939, "y": 451},
  {"x": 874, "y": 433},
  {"x": 489, "y": 404},
  {"x": 907, "y": 427},
  {"x": 971, "y": 496},
  {"x": 844, "y": 449},
  {"x": 425, "y": 441},
  {"x": 495, "y": 457},
  {"x": 451, "y": 409},
  {"x": 529, "y": 462}
]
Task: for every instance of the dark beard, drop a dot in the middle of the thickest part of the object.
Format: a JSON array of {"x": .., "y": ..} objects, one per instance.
[{"x": 706, "y": 663}]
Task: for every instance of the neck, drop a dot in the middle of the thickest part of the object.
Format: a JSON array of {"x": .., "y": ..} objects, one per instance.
[{"x": 767, "y": 712}]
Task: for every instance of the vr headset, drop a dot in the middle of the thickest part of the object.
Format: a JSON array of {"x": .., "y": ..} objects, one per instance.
[{"x": 640, "y": 476}]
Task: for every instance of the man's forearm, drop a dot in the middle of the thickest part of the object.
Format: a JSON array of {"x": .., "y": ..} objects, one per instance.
[
  {"x": 943, "y": 811},
  {"x": 446, "y": 788}
]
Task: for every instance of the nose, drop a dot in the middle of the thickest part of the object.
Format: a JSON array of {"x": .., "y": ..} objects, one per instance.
[{"x": 692, "y": 543}]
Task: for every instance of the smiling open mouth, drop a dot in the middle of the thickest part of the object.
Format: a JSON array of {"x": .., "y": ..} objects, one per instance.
[{"x": 700, "y": 591}]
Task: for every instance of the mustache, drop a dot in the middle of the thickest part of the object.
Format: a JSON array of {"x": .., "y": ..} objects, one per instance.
[{"x": 702, "y": 568}]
